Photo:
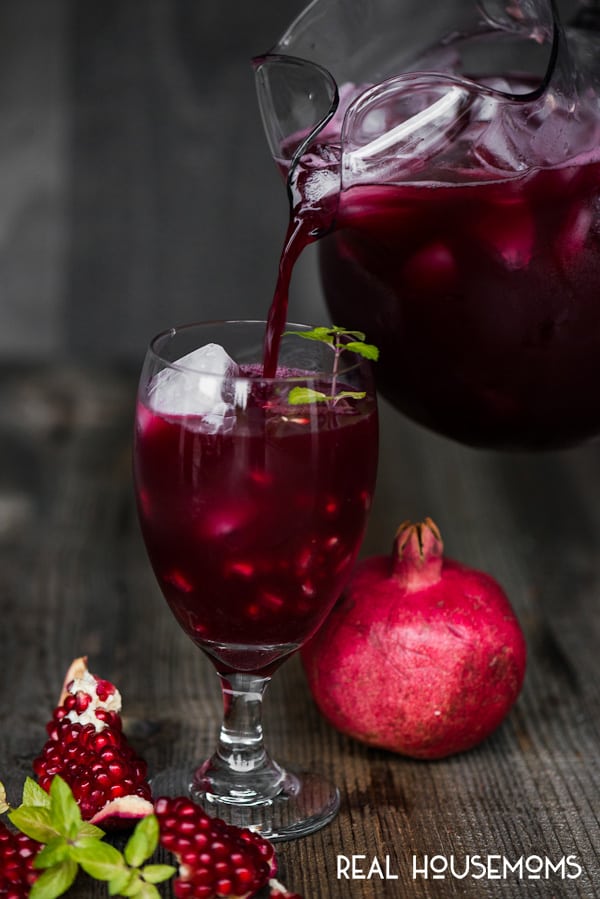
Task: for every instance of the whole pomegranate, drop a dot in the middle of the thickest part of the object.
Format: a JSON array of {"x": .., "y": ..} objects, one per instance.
[{"x": 422, "y": 655}]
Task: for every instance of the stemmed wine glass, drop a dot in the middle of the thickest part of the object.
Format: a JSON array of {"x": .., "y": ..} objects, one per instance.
[{"x": 253, "y": 495}]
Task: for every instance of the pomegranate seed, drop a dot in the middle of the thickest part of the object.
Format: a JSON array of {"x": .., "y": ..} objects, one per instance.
[
  {"x": 244, "y": 876},
  {"x": 117, "y": 770},
  {"x": 243, "y": 569},
  {"x": 215, "y": 858},
  {"x": 108, "y": 754},
  {"x": 82, "y": 701},
  {"x": 179, "y": 581},
  {"x": 183, "y": 889},
  {"x": 260, "y": 477},
  {"x": 271, "y": 600},
  {"x": 94, "y": 757},
  {"x": 17, "y": 853},
  {"x": 104, "y": 689},
  {"x": 100, "y": 741}
]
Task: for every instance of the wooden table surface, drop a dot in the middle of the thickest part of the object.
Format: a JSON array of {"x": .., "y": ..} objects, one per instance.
[{"x": 74, "y": 579}]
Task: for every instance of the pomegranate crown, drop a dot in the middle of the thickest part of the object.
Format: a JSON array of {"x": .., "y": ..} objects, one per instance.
[{"x": 418, "y": 555}]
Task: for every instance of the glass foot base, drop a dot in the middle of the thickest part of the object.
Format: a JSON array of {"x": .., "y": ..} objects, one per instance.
[{"x": 305, "y": 803}]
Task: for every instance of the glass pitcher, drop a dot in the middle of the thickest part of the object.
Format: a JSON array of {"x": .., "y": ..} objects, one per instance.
[{"x": 447, "y": 159}]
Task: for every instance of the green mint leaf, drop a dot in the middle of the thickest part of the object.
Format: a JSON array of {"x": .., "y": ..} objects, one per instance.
[
  {"x": 147, "y": 891},
  {"x": 368, "y": 350},
  {"x": 299, "y": 395},
  {"x": 120, "y": 883},
  {"x": 64, "y": 811},
  {"x": 86, "y": 843},
  {"x": 350, "y": 394},
  {"x": 33, "y": 794},
  {"x": 135, "y": 886},
  {"x": 54, "y": 881},
  {"x": 332, "y": 337},
  {"x": 157, "y": 873},
  {"x": 359, "y": 335},
  {"x": 323, "y": 335},
  {"x": 57, "y": 850},
  {"x": 100, "y": 860},
  {"x": 143, "y": 841},
  {"x": 35, "y": 822},
  {"x": 89, "y": 830}
]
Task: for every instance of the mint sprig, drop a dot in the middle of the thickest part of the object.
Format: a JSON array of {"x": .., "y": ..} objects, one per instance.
[
  {"x": 126, "y": 873},
  {"x": 333, "y": 337},
  {"x": 70, "y": 843}
]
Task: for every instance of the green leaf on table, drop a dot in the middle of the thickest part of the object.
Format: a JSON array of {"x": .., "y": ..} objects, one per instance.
[
  {"x": 118, "y": 885},
  {"x": 134, "y": 886},
  {"x": 57, "y": 850},
  {"x": 65, "y": 814},
  {"x": 54, "y": 881},
  {"x": 158, "y": 873},
  {"x": 100, "y": 860},
  {"x": 143, "y": 841},
  {"x": 35, "y": 795},
  {"x": 89, "y": 830},
  {"x": 147, "y": 891},
  {"x": 35, "y": 822},
  {"x": 85, "y": 845},
  {"x": 300, "y": 395}
]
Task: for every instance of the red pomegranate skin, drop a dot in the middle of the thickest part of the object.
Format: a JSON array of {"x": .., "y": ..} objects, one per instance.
[{"x": 422, "y": 658}]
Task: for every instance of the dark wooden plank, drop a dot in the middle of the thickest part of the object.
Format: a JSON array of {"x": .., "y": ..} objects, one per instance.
[{"x": 75, "y": 579}]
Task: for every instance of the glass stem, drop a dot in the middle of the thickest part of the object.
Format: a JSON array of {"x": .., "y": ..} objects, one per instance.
[
  {"x": 241, "y": 742},
  {"x": 241, "y": 771}
]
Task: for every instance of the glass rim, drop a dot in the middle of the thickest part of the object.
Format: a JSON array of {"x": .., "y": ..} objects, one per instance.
[{"x": 171, "y": 332}]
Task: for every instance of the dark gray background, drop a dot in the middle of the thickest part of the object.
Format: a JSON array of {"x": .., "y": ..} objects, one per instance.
[{"x": 136, "y": 186}]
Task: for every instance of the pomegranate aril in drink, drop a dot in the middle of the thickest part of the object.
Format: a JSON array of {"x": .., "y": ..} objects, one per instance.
[
  {"x": 431, "y": 267},
  {"x": 256, "y": 513}
]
